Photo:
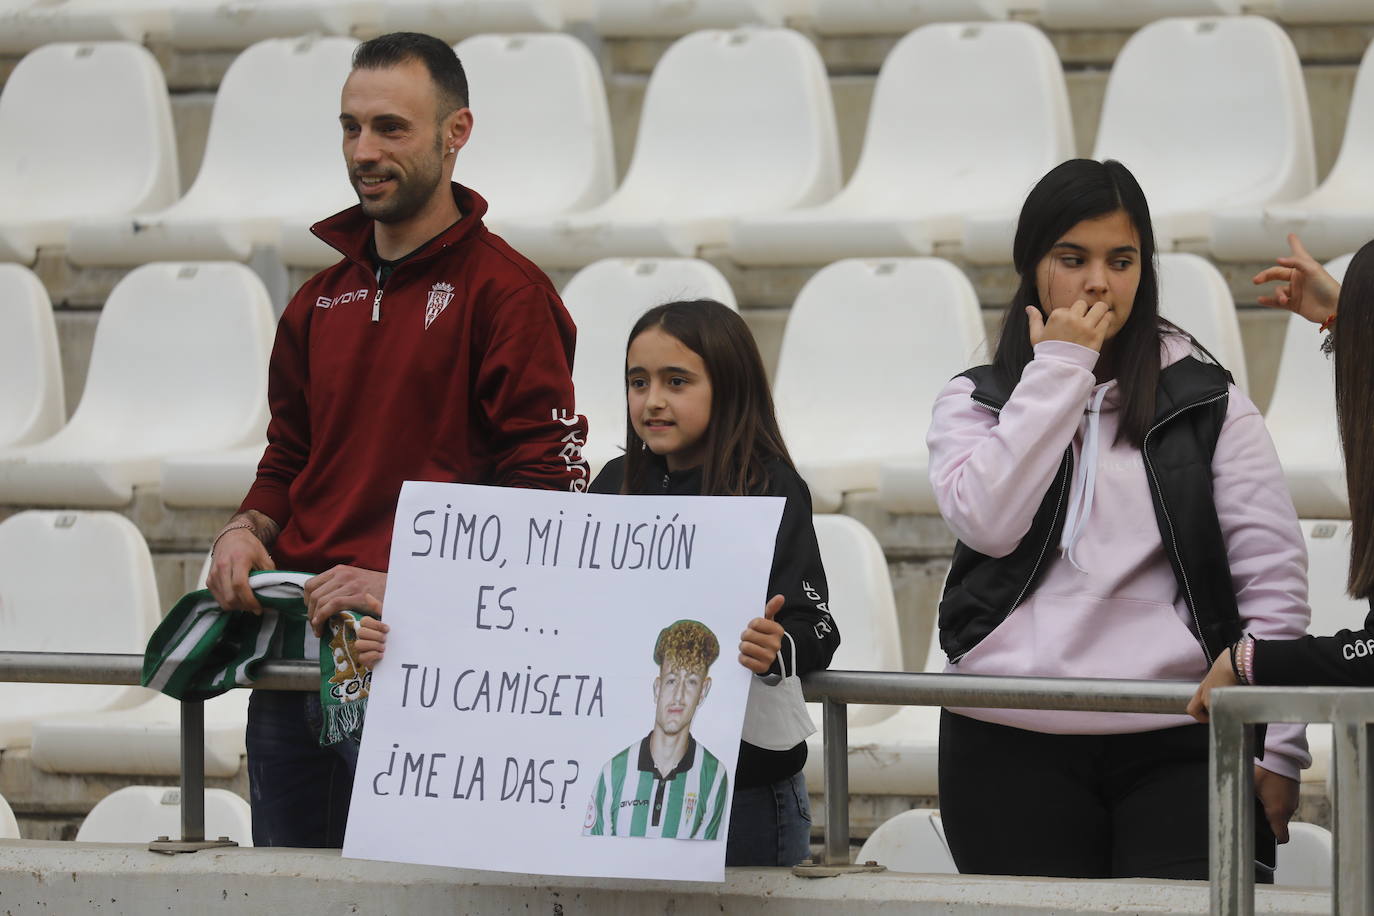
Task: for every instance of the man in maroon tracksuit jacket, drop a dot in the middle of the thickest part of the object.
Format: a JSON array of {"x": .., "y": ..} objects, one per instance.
[{"x": 431, "y": 351}]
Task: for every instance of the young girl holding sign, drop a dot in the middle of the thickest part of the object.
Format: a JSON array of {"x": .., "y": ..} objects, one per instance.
[
  {"x": 1121, "y": 513},
  {"x": 701, "y": 422}
]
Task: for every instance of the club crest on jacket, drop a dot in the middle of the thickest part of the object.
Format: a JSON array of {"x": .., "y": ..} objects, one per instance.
[{"x": 440, "y": 295}]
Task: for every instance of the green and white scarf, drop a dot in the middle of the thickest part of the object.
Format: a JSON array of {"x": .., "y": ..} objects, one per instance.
[{"x": 200, "y": 650}]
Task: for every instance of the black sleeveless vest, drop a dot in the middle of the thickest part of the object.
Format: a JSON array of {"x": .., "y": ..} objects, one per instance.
[{"x": 1190, "y": 406}]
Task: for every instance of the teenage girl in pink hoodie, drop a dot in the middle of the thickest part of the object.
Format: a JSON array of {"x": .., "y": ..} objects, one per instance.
[{"x": 1121, "y": 513}]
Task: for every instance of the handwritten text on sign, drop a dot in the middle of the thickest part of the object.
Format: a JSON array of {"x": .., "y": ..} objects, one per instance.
[{"x": 560, "y": 692}]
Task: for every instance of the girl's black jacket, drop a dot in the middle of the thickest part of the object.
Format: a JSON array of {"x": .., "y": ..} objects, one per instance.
[
  {"x": 1345, "y": 659},
  {"x": 797, "y": 575}
]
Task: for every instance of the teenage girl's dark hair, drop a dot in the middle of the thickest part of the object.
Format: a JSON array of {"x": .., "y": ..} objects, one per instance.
[
  {"x": 1071, "y": 192},
  {"x": 742, "y": 435},
  {"x": 1354, "y": 355}
]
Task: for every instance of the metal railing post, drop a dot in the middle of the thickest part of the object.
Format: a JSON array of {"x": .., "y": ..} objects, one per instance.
[
  {"x": 836, "y": 734},
  {"x": 192, "y": 771},
  {"x": 1231, "y": 849},
  {"x": 1354, "y": 821}
]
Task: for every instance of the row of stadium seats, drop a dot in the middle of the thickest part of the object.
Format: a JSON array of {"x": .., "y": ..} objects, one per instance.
[
  {"x": 218, "y": 24},
  {"x": 1210, "y": 114},
  {"x": 138, "y": 814},
  {"x": 208, "y": 327},
  {"x": 113, "y": 607}
]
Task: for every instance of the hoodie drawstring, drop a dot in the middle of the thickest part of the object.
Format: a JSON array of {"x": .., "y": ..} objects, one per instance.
[{"x": 1081, "y": 497}]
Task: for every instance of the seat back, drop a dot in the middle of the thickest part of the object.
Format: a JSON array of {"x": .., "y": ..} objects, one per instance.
[
  {"x": 138, "y": 814},
  {"x": 179, "y": 362},
  {"x": 1305, "y": 860},
  {"x": 605, "y": 300},
  {"x": 32, "y": 406},
  {"x": 451, "y": 20},
  {"x": 1195, "y": 296},
  {"x": 707, "y": 148},
  {"x": 1350, "y": 172},
  {"x": 533, "y": 88},
  {"x": 71, "y": 582},
  {"x": 1302, "y": 11},
  {"x": 1328, "y": 571},
  {"x": 215, "y": 24},
  {"x": 9, "y": 825},
  {"x": 913, "y": 841},
  {"x": 1302, "y": 419},
  {"x": 286, "y": 89},
  {"x": 862, "y": 604},
  {"x": 88, "y": 132},
  {"x": 1209, "y": 113},
  {"x": 857, "y": 326},
  {"x": 948, "y": 150}
]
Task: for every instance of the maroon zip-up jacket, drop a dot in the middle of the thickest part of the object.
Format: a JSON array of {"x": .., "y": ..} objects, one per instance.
[{"x": 465, "y": 376}]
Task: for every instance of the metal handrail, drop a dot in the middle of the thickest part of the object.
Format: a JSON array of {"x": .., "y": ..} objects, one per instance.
[{"x": 1234, "y": 713}]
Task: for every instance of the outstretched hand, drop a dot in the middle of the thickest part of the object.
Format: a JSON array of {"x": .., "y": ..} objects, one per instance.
[
  {"x": 1305, "y": 288},
  {"x": 1078, "y": 324},
  {"x": 759, "y": 644}
]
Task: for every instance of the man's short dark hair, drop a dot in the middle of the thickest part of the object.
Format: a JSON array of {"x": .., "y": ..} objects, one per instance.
[{"x": 444, "y": 68}]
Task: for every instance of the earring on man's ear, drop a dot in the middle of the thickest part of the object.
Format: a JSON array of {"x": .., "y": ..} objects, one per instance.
[{"x": 452, "y": 150}]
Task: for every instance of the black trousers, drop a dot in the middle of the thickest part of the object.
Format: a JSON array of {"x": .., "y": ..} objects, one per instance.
[{"x": 1018, "y": 802}]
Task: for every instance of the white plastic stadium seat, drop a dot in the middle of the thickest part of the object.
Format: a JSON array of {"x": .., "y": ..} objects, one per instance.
[
  {"x": 1302, "y": 420},
  {"x": 210, "y": 478},
  {"x": 912, "y": 842},
  {"x": 28, "y": 24},
  {"x": 670, "y": 18},
  {"x": 87, "y": 132},
  {"x": 868, "y": 17},
  {"x": 708, "y": 151},
  {"x": 32, "y": 405},
  {"x": 853, "y": 326},
  {"x": 209, "y": 24},
  {"x": 1208, "y": 114},
  {"x": 1305, "y": 860},
  {"x": 931, "y": 157},
  {"x": 530, "y": 88},
  {"x": 179, "y": 365},
  {"x": 1338, "y": 216},
  {"x": 287, "y": 89},
  {"x": 141, "y": 741},
  {"x": 1094, "y": 14},
  {"x": 605, "y": 300},
  {"x": 9, "y": 826},
  {"x": 862, "y": 603},
  {"x": 455, "y": 19},
  {"x": 1195, "y": 296},
  {"x": 1302, "y": 11},
  {"x": 138, "y": 814},
  {"x": 71, "y": 582},
  {"x": 898, "y": 755}
]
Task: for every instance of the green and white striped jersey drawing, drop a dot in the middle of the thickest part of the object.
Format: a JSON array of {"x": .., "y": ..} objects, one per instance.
[{"x": 632, "y": 799}]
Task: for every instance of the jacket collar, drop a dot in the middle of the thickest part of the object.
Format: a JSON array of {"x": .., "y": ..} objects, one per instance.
[{"x": 350, "y": 231}]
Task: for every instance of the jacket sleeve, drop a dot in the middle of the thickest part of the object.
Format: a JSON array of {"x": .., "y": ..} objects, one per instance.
[
  {"x": 1265, "y": 551},
  {"x": 990, "y": 471},
  {"x": 1345, "y": 659},
  {"x": 799, "y": 576},
  {"x": 524, "y": 389},
  {"x": 288, "y": 430}
]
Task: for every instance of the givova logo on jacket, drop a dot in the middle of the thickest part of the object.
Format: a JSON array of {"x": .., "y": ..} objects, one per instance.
[{"x": 440, "y": 295}]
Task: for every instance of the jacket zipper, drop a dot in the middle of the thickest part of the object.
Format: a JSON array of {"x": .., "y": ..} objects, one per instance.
[
  {"x": 377, "y": 305},
  {"x": 1173, "y": 538}
]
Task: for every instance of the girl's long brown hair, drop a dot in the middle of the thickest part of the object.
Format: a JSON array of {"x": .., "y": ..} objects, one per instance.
[
  {"x": 742, "y": 435},
  {"x": 1354, "y": 355}
]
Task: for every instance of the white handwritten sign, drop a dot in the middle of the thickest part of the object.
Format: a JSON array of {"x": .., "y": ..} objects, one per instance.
[{"x": 561, "y": 692}]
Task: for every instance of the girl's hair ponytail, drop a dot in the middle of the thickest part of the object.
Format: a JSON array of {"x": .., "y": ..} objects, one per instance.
[{"x": 742, "y": 435}]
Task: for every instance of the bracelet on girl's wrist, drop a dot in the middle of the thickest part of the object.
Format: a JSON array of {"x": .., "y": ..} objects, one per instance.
[{"x": 244, "y": 525}]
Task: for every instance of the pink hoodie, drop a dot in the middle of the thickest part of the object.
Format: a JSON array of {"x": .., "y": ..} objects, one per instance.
[{"x": 1109, "y": 605}]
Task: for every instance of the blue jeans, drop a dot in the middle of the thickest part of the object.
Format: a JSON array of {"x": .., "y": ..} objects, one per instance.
[
  {"x": 770, "y": 825},
  {"x": 299, "y": 791}
]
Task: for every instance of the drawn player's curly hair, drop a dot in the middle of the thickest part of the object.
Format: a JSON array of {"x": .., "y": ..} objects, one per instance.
[{"x": 687, "y": 644}]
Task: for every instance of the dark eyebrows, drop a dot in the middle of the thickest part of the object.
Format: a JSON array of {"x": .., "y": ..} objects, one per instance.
[
  {"x": 387, "y": 118},
  {"x": 1073, "y": 246},
  {"x": 674, "y": 370}
]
